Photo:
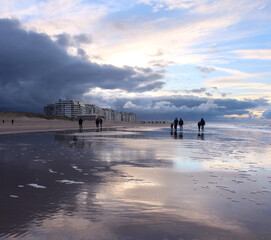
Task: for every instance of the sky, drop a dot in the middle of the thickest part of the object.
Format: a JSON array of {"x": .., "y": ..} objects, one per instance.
[{"x": 158, "y": 58}]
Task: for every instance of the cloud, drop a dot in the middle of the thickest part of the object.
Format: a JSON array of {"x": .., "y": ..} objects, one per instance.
[
  {"x": 240, "y": 80},
  {"x": 267, "y": 114},
  {"x": 34, "y": 71},
  {"x": 168, "y": 107},
  {"x": 206, "y": 69},
  {"x": 208, "y": 7},
  {"x": 169, "y": 4},
  {"x": 198, "y": 90},
  {"x": 130, "y": 105},
  {"x": 260, "y": 54},
  {"x": 67, "y": 40}
]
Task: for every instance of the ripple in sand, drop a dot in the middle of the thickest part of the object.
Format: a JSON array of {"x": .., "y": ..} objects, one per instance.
[
  {"x": 225, "y": 188},
  {"x": 13, "y": 196},
  {"x": 65, "y": 181},
  {"x": 237, "y": 181},
  {"x": 34, "y": 185}
]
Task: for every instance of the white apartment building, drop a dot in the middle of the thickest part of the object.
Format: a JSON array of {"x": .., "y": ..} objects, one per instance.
[
  {"x": 72, "y": 108},
  {"x": 69, "y": 108}
]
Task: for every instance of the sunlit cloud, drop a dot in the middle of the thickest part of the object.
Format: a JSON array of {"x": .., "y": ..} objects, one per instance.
[{"x": 261, "y": 54}]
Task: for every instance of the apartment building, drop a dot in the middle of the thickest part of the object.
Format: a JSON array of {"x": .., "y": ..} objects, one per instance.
[{"x": 72, "y": 108}]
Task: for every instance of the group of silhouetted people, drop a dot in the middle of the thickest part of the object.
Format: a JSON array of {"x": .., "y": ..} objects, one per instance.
[
  {"x": 201, "y": 124},
  {"x": 12, "y": 121},
  {"x": 99, "y": 122},
  {"x": 180, "y": 122},
  {"x": 177, "y": 122}
]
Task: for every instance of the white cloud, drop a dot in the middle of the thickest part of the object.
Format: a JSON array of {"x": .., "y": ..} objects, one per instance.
[
  {"x": 261, "y": 54},
  {"x": 56, "y": 16},
  {"x": 129, "y": 104}
]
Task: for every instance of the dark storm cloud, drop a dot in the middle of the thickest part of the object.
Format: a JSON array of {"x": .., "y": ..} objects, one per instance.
[
  {"x": 190, "y": 108},
  {"x": 81, "y": 52},
  {"x": 66, "y": 40},
  {"x": 34, "y": 71}
]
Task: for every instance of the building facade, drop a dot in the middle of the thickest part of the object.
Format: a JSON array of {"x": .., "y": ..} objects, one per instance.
[{"x": 72, "y": 109}]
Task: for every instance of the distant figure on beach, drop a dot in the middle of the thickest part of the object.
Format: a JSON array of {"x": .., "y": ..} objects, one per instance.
[
  {"x": 80, "y": 121},
  {"x": 175, "y": 123},
  {"x": 171, "y": 126},
  {"x": 101, "y": 122},
  {"x": 97, "y": 122},
  {"x": 3, "y": 121},
  {"x": 181, "y": 124},
  {"x": 12, "y": 121},
  {"x": 201, "y": 124}
]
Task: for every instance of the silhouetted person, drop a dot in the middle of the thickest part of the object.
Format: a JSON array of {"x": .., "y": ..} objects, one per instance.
[
  {"x": 199, "y": 126},
  {"x": 181, "y": 124},
  {"x": 80, "y": 121},
  {"x": 12, "y": 121},
  {"x": 171, "y": 126},
  {"x": 3, "y": 121},
  {"x": 101, "y": 122},
  {"x": 97, "y": 122},
  {"x": 202, "y": 123},
  {"x": 175, "y": 123}
]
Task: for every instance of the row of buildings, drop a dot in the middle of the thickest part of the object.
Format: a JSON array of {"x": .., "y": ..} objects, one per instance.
[{"x": 74, "y": 109}]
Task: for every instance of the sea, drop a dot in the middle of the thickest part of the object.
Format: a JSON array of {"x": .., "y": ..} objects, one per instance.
[{"x": 146, "y": 182}]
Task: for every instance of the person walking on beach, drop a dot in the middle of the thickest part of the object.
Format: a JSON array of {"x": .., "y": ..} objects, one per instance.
[
  {"x": 80, "y": 121},
  {"x": 97, "y": 122},
  {"x": 199, "y": 125},
  {"x": 3, "y": 121},
  {"x": 202, "y": 123},
  {"x": 101, "y": 123},
  {"x": 12, "y": 121},
  {"x": 181, "y": 124},
  {"x": 175, "y": 123}
]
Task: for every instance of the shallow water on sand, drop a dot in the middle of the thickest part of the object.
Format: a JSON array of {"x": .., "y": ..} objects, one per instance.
[{"x": 137, "y": 184}]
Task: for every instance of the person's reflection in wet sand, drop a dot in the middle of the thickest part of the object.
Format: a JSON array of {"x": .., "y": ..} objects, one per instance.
[
  {"x": 175, "y": 134},
  {"x": 200, "y": 136},
  {"x": 180, "y": 135},
  {"x": 171, "y": 132}
]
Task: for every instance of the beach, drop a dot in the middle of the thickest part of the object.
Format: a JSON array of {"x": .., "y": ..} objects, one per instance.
[
  {"x": 135, "y": 181},
  {"x": 30, "y": 124}
]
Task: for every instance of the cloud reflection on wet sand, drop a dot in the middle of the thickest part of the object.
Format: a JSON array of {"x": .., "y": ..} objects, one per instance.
[{"x": 143, "y": 185}]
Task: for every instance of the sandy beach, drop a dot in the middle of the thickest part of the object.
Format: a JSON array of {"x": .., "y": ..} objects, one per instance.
[
  {"x": 135, "y": 182},
  {"x": 27, "y": 124}
]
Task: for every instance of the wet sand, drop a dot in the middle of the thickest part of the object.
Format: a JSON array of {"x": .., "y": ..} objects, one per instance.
[{"x": 136, "y": 183}]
